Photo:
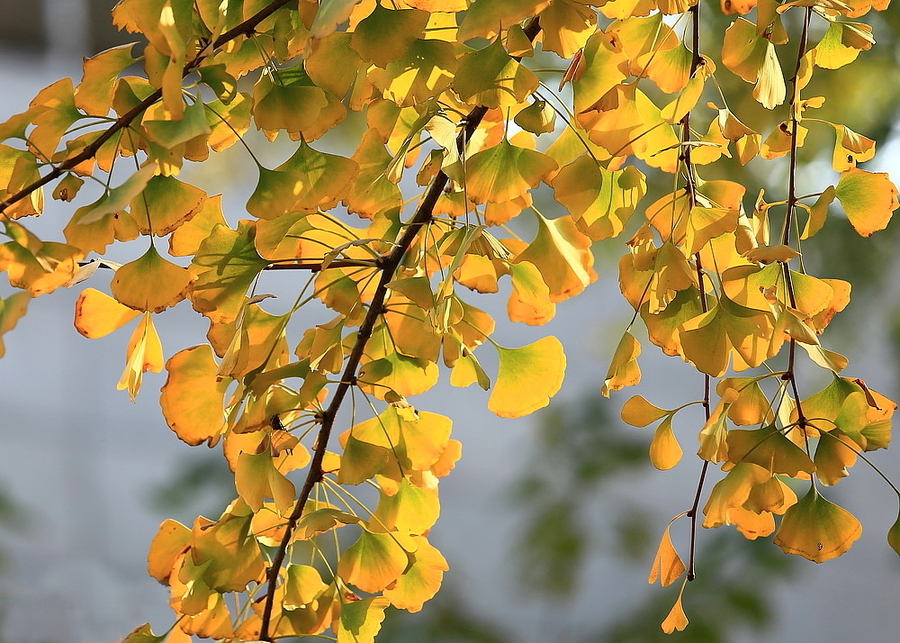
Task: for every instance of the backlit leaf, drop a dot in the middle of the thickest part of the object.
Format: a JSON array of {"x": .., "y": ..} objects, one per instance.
[
  {"x": 361, "y": 620},
  {"x": 144, "y": 354},
  {"x": 504, "y": 172},
  {"x": 667, "y": 565},
  {"x": 193, "y": 395},
  {"x": 97, "y": 314},
  {"x": 665, "y": 452},
  {"x": 11, "y": 310},
  {"x": 373, "y": 562},
  {"x": 150, "y": 283},
  {"x": 623, "y": 370},
  {"x": 868, "y": 199},
  {"x": 639, "y": 412},
  {"x": 527, "y": 377},
  {"x": 171, "y": 540},
  {"x": 491, "y": 77},
  {"x": 817, "y": 529},
  {"x": 421, "y": 580},
  {"x": 225, "y": 266},
  {"x": 676, "y": 619}
]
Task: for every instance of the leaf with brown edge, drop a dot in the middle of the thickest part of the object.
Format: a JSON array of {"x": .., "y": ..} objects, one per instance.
[
  {"x": 623, "y": 370},
  {"x": 527, "y": 377},
  {"x": 150, "y": 283},
  {"x": 667, "y": 566},
  {"x": 144, "y": 354},
  {"x": 817, "y": 529},
  {"x": 868, "y": 199},
  {"x": 193, "y": 395},
  {"x": 171, "y": 540},
  {"x": 97, "y": 314},
  {"x": 165, "y": 204}
]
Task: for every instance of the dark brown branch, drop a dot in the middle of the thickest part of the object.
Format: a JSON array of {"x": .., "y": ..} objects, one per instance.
[
  {"x": 90, "y": 150},
  {"x": 389, "y": 266}
]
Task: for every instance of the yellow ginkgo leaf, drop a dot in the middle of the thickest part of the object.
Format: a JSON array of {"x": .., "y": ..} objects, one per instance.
[
  {"x": 623, "y": 370},
  {"x": 667, "y": 565},
  {"x": 639, "y": 412},
  {"x": 373, "y": 562},
  {"x": 97, "y": 314},
  {"x": 150, "y": 283},
  {"x": 360, "y": 621},
  {"x": 562, "y": 254},
  {"x": 676, "y": 619},
  {"x": 817, "y": 529},
  {"x": 527, "y": 377},
  {"x": 868, "y": 199},
  {"x": 421, "y": 580},
  {"x": 665, "y": 452},
  {"x": 491, "y": 77},
  {"x": 171, "y": 540},
  {"x": 144, "y": 354},
  {"x": 193, "y": 395},
  {"x": 504, "y": 171}
]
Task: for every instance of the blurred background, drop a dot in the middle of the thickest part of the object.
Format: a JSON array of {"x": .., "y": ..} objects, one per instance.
[{"x": 549, "y": 523}]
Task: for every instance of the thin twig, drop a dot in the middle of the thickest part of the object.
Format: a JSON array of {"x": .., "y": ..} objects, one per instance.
[{"x": 90, "y": 150}]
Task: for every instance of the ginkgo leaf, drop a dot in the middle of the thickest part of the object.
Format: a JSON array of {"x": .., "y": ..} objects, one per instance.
[
  {"x": 562, "y": 254},
  {"x": 893, "y": 536},
  {"x": 95, "y": 91},
  {"x": 483, "y": 21},
  {"x": 504, "y": 172},
  {"x": 11, "y": 310},
  {"x": 171, "y": 540},
  {"x": 421, "y": 580},
  {"x": 639, "y": 412},
  {"x": 360, "y": 621},
  {"x": 144, "y": 354},
  {"x": 529, "y": 301},
  {"x": 373, "y": 562},
  {"x": 676, "y": 619},
  {"x": 537, "y": 118},
  {"x": 256, "y": 478},
  {"x": 411, "y": 509},
  {"x": 193, "y": 395},
  {"x": 303, "y": 584},
  {"x": 752, "y": 57},
  {"x": 667, "y": 566},
  {"x": 527, "y": 377},
  {"x": 665, "y": 452},
  {"x": 164, "y": 204},
  {"x": 331, "y": 13},
  {"x": 600, "y": 201},
  {"x": 144, "y": 634},
  {"x": 170, "y": 133},
  {"x": 841, "y": 44},
  {"x": 150, "y": 283},
  {"x": 623, "y": 370},
  {"x": 817, "y": 529},
  {"x": 598, "y": 72},
  {"x": 770, "y": 449},
  {"x": 308, "y": 181},
  {"x": 491, "y": 77},
  {"x": 424, "y": 71},
  {"x": 404, "y": 27},
  {"x": 731, "y": 492},
  {"x": 97, "y": 314},
  {"x": 225, "y": 265},
  {"x": 868, "y": 199}
]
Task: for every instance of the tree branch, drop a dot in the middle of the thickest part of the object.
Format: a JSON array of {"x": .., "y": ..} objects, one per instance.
[
  {"x": 90, "y": 150},
  {"x": 389, "y": 266}
]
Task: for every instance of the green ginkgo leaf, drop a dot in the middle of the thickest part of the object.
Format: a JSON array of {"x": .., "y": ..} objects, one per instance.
[
  {"x": 817, "y": 529},
  {"x": 404, "y": 26},
  {"x": 868, "y": 199},
  {"x": 491, "y": 77}
]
